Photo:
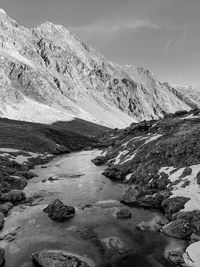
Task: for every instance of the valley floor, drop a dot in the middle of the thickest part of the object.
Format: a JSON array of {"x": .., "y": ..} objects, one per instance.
[{"x": 95, "y": 233}]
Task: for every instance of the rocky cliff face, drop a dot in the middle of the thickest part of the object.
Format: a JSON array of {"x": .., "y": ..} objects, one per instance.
[{"x": 48, "y": 74}]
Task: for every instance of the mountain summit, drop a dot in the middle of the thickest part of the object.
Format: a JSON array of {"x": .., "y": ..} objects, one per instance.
[{"x": 48, "y": 74}]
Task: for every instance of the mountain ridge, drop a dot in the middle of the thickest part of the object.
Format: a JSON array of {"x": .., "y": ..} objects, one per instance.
[{"x": 48, "y": 65}]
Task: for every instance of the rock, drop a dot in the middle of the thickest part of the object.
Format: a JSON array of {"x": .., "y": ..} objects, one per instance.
[
  {"x": 174, "y": 204},
  {"x": 155, "y": 200},
  {"x": 116, "y": 172},
  {"x": 183, "y": 224},
  {"x": 99, "y": 160},
  {"x": 52, "y": 179},
  {"x": 130, "y": 196},
  {"x": 58, "y": 211},
  {"x": 4, "y": 208},
  {"x": 2, "y": 256},
  {"x": 16, "y": 182},
  {"x": 194, "y": 238},
  {"x": 14, "y": 196},
  {"x": 176, "y": 257},
  {"x": 26, "y": 174},
  {"x": 192, "y": 255},
  {"x": 123, "y": 214},
  {"x": 87, "y": 233},
  {"x": 154, "y": 225},
  {"x": 1, "y": 220},
  {"x": 198, "y": 178},
  {"x": 51, "y": 258},
  {"x": 186, "y": 172}
]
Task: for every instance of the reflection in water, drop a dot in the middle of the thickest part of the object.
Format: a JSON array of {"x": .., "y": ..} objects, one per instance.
[{"x": 94, "y": 231}]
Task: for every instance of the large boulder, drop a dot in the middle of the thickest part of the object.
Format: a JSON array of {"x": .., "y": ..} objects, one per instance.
[
  {"x": 58, "y": 211},
  {"x": 116, "y": 172},
  {"x": 14, "y": 196},
  {"x": 155, "y": 200},
  {"x": 183, "y": 224},
  {"x": 100, "y": 160},
  {"x": 130, "y": 196},
  {"x": 176, "y": 257},
  {"x": 174, "y": 204},
  {"x": 51, "y": 258},
  {"x": 17, "y": 182},
  {"x": 154, "y": 225},
  {"x": 5, "y": 207},
  {"x": 123, "y": 214}
]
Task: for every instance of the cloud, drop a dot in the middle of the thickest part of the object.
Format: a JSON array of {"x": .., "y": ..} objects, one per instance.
[
  {"x": 178, "y": 41},
  {"x": 114, "y": 27}
]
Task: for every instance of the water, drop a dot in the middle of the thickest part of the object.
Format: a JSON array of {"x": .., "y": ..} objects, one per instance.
[{"x": 94, "y": 232}]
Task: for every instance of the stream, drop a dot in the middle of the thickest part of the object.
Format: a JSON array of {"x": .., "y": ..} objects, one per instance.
[{"x": 94, "y": 232}]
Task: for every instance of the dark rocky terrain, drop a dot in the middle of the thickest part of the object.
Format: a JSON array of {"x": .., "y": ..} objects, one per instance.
[{"x": 160, "y": 161}]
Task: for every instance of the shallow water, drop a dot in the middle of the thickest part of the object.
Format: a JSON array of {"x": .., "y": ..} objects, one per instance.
[{"x": 94, "y": 232}]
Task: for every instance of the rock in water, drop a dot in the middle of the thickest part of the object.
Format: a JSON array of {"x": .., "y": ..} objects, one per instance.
[
  {"x": 123, "y": 214},
  {"x": 14, "y": 196},
  {"x": 130, "y": 197},
  {"x": 183, "y": 224},
  {"x": 176, "y": 257},
  {"x": 51, "y": 258},
  {"x": 58, "y": 211},
  {"x": 2, "y": 256}
]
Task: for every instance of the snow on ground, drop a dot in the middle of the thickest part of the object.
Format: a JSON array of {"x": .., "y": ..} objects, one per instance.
[
  {"x": 192, "y": 255},
  {"x": 128, "y": 176},
  {"x": 20, "y": 158},
  {"x": 192, "y": 190},
  {"x": 130, "y": 157},
  {"x": 153, "y": 138},
  {"x": 121, "y": 153},
  {"x": 30, "y": 110},
  {"x": 191, "y": 116}
]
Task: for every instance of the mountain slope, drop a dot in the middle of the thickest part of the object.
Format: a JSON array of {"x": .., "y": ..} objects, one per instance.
[
  {"x": 48, "y": 74},
  {"x": 189, "y": 94}
]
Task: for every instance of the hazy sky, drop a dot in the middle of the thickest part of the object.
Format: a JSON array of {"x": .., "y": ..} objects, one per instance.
[{"x": 161, "y": 35}]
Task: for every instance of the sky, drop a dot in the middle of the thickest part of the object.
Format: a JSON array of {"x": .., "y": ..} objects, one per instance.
[{"x": 160, "y": 35}]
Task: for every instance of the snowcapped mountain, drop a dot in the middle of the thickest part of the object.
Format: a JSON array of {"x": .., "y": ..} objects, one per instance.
[{"x": 48, "y": 74}]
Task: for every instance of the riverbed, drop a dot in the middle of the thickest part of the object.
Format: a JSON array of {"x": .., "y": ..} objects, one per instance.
[{"x": 94, "y": 232}]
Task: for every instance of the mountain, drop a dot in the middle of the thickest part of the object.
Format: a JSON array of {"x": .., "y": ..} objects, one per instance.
[
  {"x": 47, "y": 74},
  {"x": 189, "y": 94}
]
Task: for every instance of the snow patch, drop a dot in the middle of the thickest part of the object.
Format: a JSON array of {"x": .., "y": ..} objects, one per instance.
[
  {"x": 191, "y": 191},
  {"x": 117, "y": 159},
  {"x": 21, "y": 158},
  {"x": 30, "y": 110},
  {"x": 192, "y": 255},
  {"x": 128, "y": 176},
  {"x": 153, "y": 138}
]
